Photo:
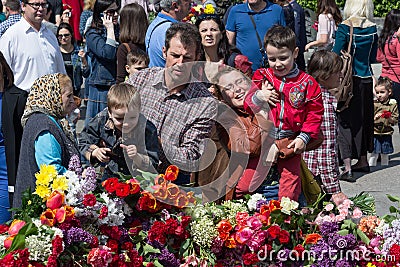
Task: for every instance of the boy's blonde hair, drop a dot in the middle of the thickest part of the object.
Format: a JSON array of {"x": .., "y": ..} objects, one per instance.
[
  {"x": 120, "y": 95},
  {"x": 323, "y": 64}
]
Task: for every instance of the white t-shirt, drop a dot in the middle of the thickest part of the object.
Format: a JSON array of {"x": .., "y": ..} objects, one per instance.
[
  {"x": 30, "y": 53},
  {"x": 326, "y": 25}
]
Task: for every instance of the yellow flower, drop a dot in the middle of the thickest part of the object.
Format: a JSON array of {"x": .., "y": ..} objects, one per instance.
[
  {"x": 42, "y": 191},
  {"x": 371, "y": 265},
  {"x": 45, "y": 175},
  {"x": 209, "y": 9},
  {"x": 60, "y": 183}
]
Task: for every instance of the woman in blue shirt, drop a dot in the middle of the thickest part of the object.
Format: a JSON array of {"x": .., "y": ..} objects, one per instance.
[
  {"x": 47, "y": 138},
  {"x": 356, "y": 123}
]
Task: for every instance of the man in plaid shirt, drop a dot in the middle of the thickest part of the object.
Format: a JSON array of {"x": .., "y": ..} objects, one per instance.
[
  {"x": 13, "y": 8},
  {"x": 181, "y": 108}
]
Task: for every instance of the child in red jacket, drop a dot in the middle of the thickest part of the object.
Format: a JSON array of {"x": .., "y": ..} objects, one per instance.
[{"x": 295, "y": 103}]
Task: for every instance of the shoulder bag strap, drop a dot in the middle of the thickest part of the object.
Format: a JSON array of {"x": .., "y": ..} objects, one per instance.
[
  {"x": 255, "y": 28},
  {"x": 151, "y": 33},
  {"x": 127, "y": 47},
  {"x": 390, "y": 66},
  {"x": 351, "y": 37}
]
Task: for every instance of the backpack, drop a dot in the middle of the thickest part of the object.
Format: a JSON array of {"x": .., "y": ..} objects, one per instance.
[{"x": 344, "y": 92}]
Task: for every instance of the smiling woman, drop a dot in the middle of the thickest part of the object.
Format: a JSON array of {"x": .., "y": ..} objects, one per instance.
[{"x": 47, "y": 138}]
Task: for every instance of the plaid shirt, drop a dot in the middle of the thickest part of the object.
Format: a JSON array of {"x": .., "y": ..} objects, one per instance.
[
  {"x": 11, "y": 20},
  {"x": 183, "y": 120},
  {"x": 324, "y": 160}
]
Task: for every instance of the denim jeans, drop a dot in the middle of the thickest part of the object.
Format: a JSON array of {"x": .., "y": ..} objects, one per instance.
[{"x": 97, "y": 101}]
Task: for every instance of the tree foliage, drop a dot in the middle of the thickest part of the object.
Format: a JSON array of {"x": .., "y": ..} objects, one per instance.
[{"x": 382, "y": 7}]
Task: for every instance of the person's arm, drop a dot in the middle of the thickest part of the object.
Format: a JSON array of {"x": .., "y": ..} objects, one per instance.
[
  {"x": 48, "y": 151},
  {"x": 314, "y": 111},
  {"x": 231, "y": 37},
  {"x": 395, "y": 112},
  {"x": 341, "y": 37},
  {"x": 100, "y": 46},
  {"x": 323, "y": 29}
]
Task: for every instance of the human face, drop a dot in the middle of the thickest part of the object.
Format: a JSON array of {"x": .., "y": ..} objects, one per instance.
[
  {"x": 117, "y": 116},
  {"x": 281, "y": 60},
  {"x": 112, "y": 10},
  {"x": 178, "y": 73},
  {"x": 67, "y": 97},
  {"x": 34, "y": 12},
  {"x": 382, "y": 93},
  {"x": 135, "y": 67},
  {"x": 64, "y": 37},
  {"x": 210, "y": 33},
  {"x": 131, "y": 118},
  {"x": 333, "y": 81},
  {"x": 234, "y": 87},
  {"x": 182, "y": 8}
]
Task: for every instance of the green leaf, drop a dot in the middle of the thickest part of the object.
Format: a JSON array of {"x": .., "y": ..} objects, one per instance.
[
  {"x": 393, "y": 198},
  {"x": 393, "y": 209},
  {"x": 343, "y": 232},
  {"x": 157, "y": 264},
  {"x": 388, "y": 218},
  {"x": 363, "y": 236},
  {"x": 149, "y": 249}
]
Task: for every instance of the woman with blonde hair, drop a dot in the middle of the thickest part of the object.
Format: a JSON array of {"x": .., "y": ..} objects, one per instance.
[
  {"x": 356, "y": 123},
  {"x": 329, "y": 18}
]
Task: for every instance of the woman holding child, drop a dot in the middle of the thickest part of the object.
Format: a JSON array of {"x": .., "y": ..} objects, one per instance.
[{"x": 47, "y": 138}]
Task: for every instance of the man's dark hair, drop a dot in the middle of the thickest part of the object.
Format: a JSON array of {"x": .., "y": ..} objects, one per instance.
[
  {"x": 187, "y": 33},
  {"x": 13, "y": 5},
  {"x": 280, "y": 36}
]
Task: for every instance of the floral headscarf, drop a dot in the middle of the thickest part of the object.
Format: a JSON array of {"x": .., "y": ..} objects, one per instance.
[{"x": 45, "y": 97}]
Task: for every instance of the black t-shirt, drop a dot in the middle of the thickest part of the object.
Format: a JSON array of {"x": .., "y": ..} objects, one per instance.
[
  {"x": 56, "y": 8},
  {"x": 68, "y": 65}
]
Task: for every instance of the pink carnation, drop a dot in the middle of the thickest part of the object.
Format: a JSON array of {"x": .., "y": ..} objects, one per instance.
[
  {"x": 357, "y": 213},
  {"x": 99, "y": 257}
]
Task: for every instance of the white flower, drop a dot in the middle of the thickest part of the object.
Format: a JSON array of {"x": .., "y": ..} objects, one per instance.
[
  {"x": 252, "y": 203},
  {"x": 288, "y": 205}
]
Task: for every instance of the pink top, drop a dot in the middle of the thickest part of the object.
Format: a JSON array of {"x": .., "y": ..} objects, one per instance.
[
  {"x": 326, "y": 25},
  {"x": 392, "y": 52}
]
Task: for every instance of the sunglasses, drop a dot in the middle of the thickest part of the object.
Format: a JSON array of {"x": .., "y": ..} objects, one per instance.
[
  {"x": 36, "y": 6},
  {"x": 64, "y": 35}
]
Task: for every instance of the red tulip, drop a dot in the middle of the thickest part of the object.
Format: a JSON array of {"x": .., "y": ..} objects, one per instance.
[{"x": 55, "y": 201}]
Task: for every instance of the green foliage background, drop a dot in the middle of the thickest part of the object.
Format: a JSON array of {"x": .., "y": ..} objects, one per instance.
[{"x": 382, "y": 7}]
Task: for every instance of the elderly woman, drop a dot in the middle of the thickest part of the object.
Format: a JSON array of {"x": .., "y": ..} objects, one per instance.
[
  {"x": 12, "y": 104},
  {"x": 47, "y": 138},
  {"x": 356, "y": 123}
]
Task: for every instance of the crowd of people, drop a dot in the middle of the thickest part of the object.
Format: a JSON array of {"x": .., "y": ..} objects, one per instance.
[{"x": 233, "y": 104}]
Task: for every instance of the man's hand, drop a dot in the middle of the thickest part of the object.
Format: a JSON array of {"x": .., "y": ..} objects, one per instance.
[
  {"x": 131, "y": 150},
  {"x": 298, "y": 145},
  {"x": 268, "y": 94},
  {"x": 100, "y": 154}
]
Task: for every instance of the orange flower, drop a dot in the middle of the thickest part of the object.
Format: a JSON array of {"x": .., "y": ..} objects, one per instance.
[
  {"x": 15, "y": 226},
  {"x": 274, "y": 205},
  {"x": 135, "y": 186},
  {"x": 173, "y": 190},
  {"x": 265, "y": 215},
  {"x": 171, "y": 173},
  {"x": 191, "y": 198},
  {"x": 55, "y": 201},
  {"x": 223, "y": 228},
  {"x": 181, "y": 200},
  {"x": 48, "y": 217},
  {"x": 230, "y": 242},
  {"x": 160, "y": 180},
  {"x": 312, "y": 238},
  {"x": 69, "y": 212}
]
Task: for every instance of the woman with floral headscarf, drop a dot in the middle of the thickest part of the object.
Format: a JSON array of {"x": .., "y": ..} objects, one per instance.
[{"x": 47, "y": 138}]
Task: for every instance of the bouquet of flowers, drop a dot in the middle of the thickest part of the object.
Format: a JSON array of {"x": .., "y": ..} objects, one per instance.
[{"x": 197, "y": 10}]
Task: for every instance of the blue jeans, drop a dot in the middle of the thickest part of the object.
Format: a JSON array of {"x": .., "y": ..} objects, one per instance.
[
  {"x": 97, "y": 101},
  {"x": 4, "y": 201}
]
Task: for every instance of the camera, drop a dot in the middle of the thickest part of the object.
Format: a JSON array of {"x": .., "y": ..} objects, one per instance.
[{"x": 116, "y": 152}]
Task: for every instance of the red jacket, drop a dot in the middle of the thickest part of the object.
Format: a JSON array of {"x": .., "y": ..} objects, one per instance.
[{"x": 300, "y": 108}]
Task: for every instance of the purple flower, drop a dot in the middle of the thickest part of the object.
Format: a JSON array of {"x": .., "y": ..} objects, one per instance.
[
  {"x": 260, "y": 203},
  {"x": 75, "y": 165},
  {"x": 168, "y": 259},
  {"x": 328, "y": 228},
  {"x": 78, "y": 235},
  {"x": 217, "y": 246},
  {"x": 90, "y": 180}
]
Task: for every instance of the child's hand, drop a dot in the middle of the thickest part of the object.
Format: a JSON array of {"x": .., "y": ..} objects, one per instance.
[
  {"x": 298, "y": 145},
  {"x": 377, "y": 116},
  {"x": 268, "y": 94},
  {"x": 131, "y": 150},
  {"x": 101, "y": 154}
]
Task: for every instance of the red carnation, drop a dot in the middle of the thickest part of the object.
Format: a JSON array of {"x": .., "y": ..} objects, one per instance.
[
  {"x": 52, "y": 261},
  {"x": 103, "y": 212},
  {"x": 250, "y": 259},
  {"x": 110, "y": 184},
  {"x": 284, "y": 237},
  {"x": 171, "y": 225},
  {"x": 113, "y": 245},
  {"x": 3, "y": 228},
  {"x": 386, "y": 114},
  {"x": 122, "y": 189},
  {"x": 95, "y": 242},
  {"x": 395, "y": 251},
  {"x": 89, "y": 200},
  {"x": 57, "y": 244},
  {"x": 273, "y": 231}
]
